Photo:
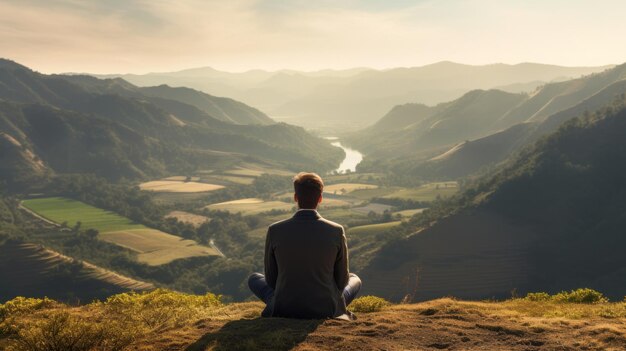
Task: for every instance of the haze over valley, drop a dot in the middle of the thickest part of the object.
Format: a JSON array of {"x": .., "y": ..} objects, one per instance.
[{"x": 473, "y": 153}]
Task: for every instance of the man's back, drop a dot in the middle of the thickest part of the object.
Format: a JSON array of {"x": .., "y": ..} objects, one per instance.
[{"x": 306, "y": 263}]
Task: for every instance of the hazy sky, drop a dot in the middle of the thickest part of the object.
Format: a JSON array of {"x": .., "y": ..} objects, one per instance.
[{"x": 139, "y": 36}]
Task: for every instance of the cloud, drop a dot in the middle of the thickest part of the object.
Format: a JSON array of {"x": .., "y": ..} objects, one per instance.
[{"x": 142, "y": 35}]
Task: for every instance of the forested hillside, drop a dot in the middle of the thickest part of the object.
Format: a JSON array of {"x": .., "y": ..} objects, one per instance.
[{"x": 551, "y": 219}]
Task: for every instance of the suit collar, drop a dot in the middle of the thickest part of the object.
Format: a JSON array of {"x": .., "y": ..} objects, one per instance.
[{"x": 307, "y": 213}]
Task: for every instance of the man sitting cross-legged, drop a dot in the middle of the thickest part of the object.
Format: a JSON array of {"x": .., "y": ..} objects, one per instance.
[{"x": 306, "y": 262}]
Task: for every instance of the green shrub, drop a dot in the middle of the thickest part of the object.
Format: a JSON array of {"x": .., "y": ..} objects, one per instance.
[
  {"x": 63, "y": 331},
  {"x": 368, "y": 304},
  {"x": 20, "y": 305},
  {"x": 160, "y": 307},
  {"x": 538, "y": 296},
  {"x": 584, "y": 295}
]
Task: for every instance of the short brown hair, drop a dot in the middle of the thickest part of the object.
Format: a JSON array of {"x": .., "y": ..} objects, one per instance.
[{"x": 308, "y": 187}]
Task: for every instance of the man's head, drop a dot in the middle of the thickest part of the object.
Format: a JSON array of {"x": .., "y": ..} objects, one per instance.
[{"x": 308, "y": 189}]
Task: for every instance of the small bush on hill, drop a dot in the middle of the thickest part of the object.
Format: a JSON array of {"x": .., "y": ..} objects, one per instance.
[
  {"x": 20, "y": 305},
  {"x": 583, "y": 295},
  {"x": 160, "y": 307},
  {"x": 368, "y": 304},
  {"x": 63, "y": 331},
  {"x": 538, "y": 296}
]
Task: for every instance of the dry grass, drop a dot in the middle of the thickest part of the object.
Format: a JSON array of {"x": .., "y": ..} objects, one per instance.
[
  {"x": 188, "y": 323},
  {"x": 172, "y": 186}
]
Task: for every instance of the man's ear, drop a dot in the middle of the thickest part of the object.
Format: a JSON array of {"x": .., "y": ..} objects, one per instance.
[
  {"x": 320, "y": 199},
  {"x": 295, "y": 197}
]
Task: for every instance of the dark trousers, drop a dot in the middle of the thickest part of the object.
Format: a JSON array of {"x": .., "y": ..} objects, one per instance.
[{"x": 259, "y": 287}]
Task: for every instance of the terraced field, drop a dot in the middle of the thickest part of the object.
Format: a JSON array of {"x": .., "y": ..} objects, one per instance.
[
  {"x": 176, "y": 186},
  {"x": 250, "y": 206},
  {"x": 37, "y": 272},
  {"x": 152, "y": 246}
]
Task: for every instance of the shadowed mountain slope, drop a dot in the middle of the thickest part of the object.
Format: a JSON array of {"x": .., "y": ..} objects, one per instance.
[
  {"x": 469, "y": 157},
  {"x": 552, "y": 219},
  {"x": 421, "y": 129},
  {"x": 493, "y": 137},
  {"x": 38, "y": 272}
]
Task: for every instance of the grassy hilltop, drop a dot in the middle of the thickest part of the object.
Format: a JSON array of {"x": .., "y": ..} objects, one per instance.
[{"x": 165, "y": 320}]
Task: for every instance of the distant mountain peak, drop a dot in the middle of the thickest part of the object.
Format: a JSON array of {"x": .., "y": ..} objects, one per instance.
[{"x": 6, "y": 63}]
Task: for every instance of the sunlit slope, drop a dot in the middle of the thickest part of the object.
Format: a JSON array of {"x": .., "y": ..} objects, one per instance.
[
  {"x": 31, "y": 270},
  {"x": 202, "y": 322},
  {"x": 552, "y": 219}
]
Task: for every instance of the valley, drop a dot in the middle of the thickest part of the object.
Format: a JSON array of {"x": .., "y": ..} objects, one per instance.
[
  {"x": 156, "y": 156},
  {"x": 184, "y": 202}
]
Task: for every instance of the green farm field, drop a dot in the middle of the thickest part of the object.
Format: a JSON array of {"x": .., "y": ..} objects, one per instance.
[
  {"x": 427, "y": 192},
  {"x": 59, "y": 210},
  {"x": 250, "y": 206},
  {"x": 152, "y": 246}
]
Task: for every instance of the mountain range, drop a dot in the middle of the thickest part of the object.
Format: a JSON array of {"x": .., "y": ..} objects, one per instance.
[
  {"x": 78, "y": 124},
  {"x": 550, "y": 219},
  {"x": 482, "y": 128},
  {"x": 355, "y": 98}
]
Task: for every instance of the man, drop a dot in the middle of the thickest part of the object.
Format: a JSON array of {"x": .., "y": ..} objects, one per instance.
[{"x": 306, "y": 262}]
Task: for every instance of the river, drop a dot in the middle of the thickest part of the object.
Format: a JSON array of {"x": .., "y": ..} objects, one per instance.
[{"x": 352, "y": 159}]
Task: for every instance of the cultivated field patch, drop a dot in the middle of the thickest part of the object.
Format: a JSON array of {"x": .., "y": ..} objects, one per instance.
[
  {"x": 409, "y": 213},
  {"x": 187, "y": 217},
  {"x": 256, "y": 170},
  {"x": 427, "y": 192},
  {"x": 152, "y": 246},
  {"x": 233, "y": 179},
  {"x": 182, "y": 178},
  {"x": 373, "y": 207},
  {"x": 175, "y": 186},
  {"x": 346, "y": 188},
  {"x": 372, "y": 229},
  {"x": 250, "y": 206},
  {"x": 60, "y": 210},
  {"x": 155, "y": 247}
]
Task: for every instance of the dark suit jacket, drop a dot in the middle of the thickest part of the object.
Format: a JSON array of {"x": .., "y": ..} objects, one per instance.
[{"x": 306, "y": 263}]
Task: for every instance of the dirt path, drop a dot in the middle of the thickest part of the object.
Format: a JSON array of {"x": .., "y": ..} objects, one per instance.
[
  {"x": 436, "y": 325},
  {"x": 36, "y": 215}
]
